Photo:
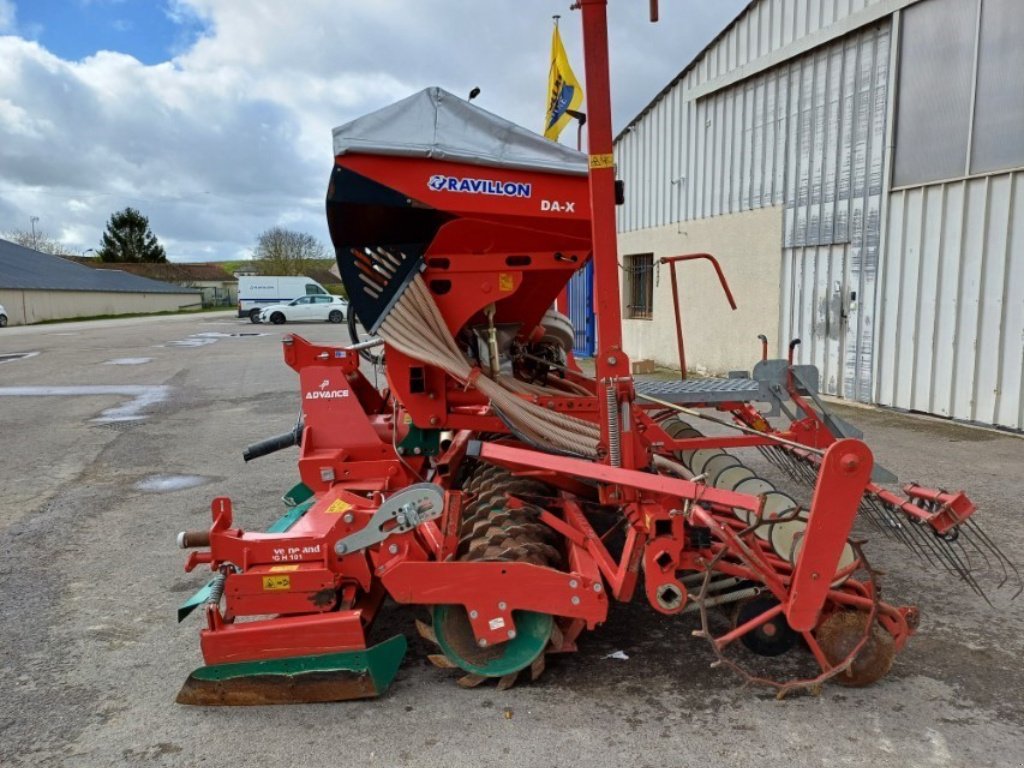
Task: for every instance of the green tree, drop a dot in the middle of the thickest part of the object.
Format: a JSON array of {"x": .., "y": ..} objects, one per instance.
[
  {"x": 129, "y": 238},
  {"x": 281, "y": 251},
  {"x": 38, "y": 241}
]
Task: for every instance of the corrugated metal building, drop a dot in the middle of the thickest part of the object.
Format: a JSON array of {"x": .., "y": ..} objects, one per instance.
[
  {"x": 857, "y": 165},
  {"x": 37, "y": 286}
]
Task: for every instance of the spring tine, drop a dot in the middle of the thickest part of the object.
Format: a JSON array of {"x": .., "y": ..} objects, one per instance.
[
  {"x": 966, "y": 535},
  {"x": 928, "y": 546},
  {"x": 893, "y": 520},
  {"x": 799, "y": 471},
  {"x": 765, "y": 453},
  {"x": 1006, "y": 564},
  {"x": 954, "y": 564},
  {"x": 778, "y": 462},
  {"x": 810, "y": 472},
  {"x": 794, "y": 468},
  {"x": 867, "y": 508},
  {"x": 970, "y": 531},
  {"x": 949, "y": 559}
]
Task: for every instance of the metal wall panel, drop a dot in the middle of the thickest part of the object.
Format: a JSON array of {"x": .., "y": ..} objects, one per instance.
[
  {"x": 819, "y": 153},
  {"x": 711, "y": 141},
  {"x": 808, "y": 135},
  {"x": 812, "y": 290},
  {"x": 951, "y": 338},
  {"x": 998, "y": 141},
  {"x": 936, "y": 75}
]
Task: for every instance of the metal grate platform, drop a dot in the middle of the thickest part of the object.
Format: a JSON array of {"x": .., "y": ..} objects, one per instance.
[{"x": 695, "y": 391}]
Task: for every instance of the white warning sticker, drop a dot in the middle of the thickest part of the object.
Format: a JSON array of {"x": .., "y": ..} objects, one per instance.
[{"x": 495, "y": 624}]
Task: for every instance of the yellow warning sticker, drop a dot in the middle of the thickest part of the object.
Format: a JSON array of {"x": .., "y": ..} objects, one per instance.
[
  {"x": 506, "y": 282},
  {"x": 277, "y": 583},
  {"x": 407, "y": 419},
  {"x": 337, "y": 507},
  {"x": 283, "y": 568},
  {"x": 602, "y": 161}
]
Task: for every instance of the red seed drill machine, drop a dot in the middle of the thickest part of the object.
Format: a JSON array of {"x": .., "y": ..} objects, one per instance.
[{"x": 496, "y": 486}]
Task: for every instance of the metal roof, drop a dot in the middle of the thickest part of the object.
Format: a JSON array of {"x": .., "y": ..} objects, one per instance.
[
  {"x": 170, "y": 271},
  {"x": 25, "y": 269}
]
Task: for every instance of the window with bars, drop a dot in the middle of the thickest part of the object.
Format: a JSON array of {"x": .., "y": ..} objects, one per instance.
[{"x": 639, "y": 285}]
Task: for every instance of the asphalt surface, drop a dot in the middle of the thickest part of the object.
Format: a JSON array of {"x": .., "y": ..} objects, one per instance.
[{"x": 91, "y": 657}]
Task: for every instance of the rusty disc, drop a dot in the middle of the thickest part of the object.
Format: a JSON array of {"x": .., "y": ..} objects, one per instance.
[{"x": 840, "y": 633}]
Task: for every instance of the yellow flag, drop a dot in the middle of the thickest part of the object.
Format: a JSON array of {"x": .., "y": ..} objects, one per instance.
[{"x": 564, "y": 90}]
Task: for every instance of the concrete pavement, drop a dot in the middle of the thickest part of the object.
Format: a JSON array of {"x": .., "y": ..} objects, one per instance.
[{"x": 91, "y": 656}]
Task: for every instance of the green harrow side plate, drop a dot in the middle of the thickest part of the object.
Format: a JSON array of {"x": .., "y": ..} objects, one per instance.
[{"x": 298, "y": 679}]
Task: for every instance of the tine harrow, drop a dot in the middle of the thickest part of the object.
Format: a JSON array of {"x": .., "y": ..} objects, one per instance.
[{"x": 935, "y": 525}]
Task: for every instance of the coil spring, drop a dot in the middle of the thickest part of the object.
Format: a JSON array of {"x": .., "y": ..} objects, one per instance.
[
  {"x": 612, "y": 405},
  {"x": 217, "y": 588}
]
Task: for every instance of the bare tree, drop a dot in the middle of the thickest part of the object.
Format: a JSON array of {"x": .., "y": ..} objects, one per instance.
[
  {"x": 281, "y": 251},
  {"x": 38, "y": 241}
]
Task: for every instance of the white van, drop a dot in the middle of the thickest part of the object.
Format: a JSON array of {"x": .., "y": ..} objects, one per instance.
[{"x": 255, "y": 292}]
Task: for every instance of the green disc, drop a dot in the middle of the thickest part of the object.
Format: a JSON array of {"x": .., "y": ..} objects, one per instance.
[{"x": 455, "y": 636}]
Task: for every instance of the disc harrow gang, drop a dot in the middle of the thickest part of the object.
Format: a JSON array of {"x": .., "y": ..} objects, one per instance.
[{"x": 515, "y": 498}]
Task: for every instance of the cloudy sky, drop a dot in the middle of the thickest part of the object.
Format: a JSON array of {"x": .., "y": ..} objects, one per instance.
[{"x": 214, "y": 117}]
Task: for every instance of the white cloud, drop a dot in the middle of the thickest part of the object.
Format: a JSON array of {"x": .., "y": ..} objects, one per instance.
[{"x": 232, "y": 135}]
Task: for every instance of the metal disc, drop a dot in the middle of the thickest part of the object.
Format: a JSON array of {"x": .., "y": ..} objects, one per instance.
[
  {"x": 754, "y": 486},
  {"x": 675, "y": 427},
  {"x": 729, "y": 478},
  {"x": 840, "y": 633},
  {"x": 774, "y": 637},
  {"x": 687, "y": 434},
  {"x": 846, "y": 560},
  {"x": 783, "y": 534},
  {"x": 717, "y": 465},
  {"x": 776, "y": 504},
  {"x": 701, "y": 457}
]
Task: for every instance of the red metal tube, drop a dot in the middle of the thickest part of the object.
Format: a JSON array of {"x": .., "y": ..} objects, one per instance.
[
  {"x": 612, "y": 364},
  {"x": 676, "y": 306}
]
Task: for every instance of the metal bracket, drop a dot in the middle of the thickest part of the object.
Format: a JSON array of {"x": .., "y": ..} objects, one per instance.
[{"x": 400, "y": 513}]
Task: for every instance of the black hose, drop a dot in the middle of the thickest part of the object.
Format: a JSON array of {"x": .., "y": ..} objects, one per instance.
[{"x": 273, "y": 444}]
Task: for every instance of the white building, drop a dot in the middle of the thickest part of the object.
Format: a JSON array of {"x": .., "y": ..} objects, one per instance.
[
  {"x": 857, "y": 167},
  {"x": 35, "y": 287}
]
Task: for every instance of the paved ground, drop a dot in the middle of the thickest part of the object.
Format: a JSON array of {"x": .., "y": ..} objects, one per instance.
[{"x": 91, "y": 657}]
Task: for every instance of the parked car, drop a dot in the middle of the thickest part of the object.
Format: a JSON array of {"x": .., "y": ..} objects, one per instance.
[
  {"x": 257, "y": 292},
  {"x": 316, "y": 308},
  {"x": 3, "y": 316}
]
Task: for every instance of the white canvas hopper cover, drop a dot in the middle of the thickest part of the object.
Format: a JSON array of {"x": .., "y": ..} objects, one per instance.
[{"x": 437, "y": 124}]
